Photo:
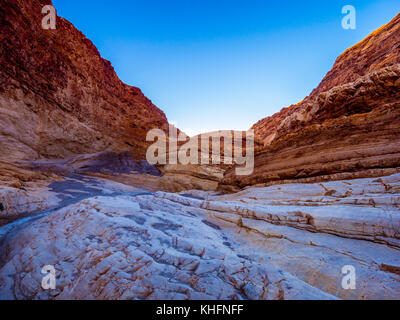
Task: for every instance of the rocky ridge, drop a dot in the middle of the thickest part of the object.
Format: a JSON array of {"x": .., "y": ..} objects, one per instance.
[{"x": 347, "y": 128}]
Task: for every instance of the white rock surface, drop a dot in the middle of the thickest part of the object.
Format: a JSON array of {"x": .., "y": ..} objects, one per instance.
[
  {"x": 119, "y": 248},
  {"x": 281, "y": 242},
  {"x": 18, "y": 202}
]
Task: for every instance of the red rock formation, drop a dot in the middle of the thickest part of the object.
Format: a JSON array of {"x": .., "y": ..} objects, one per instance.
[
  {"x": 348, "y": 127},
  {"x": 58, "y": 97},
  {"x": 380, "y": 49}
]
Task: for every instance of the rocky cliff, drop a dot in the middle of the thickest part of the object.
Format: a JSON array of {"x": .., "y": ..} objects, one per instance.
[
  {"x": 59, "y": 97},
  {"x": 348, "y": 127}
]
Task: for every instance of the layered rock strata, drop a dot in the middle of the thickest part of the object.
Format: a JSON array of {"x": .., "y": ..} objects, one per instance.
[
  {"x": 59, "y": 97},
  {"x": 347, "y": 128}
]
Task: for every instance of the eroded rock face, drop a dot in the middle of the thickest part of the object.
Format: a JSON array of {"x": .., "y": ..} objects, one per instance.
[
  {"x": 111, "y": 163},
  {"x": 347, "y": 128},
  {"x": 379, "y": 50},
  {"x": 280, "y": 242},
  {"x": 15, "y": 203},
  {"x": 131, "y": 249},
  {"x": 14, "y": 176},
  {"x": 58, "y": 97},
  {"x": 208, "y": 157},
  {"x": 365, "y": 209},
  {"x": 178, "y": 179},
  {"x": 23, "y": 191}
]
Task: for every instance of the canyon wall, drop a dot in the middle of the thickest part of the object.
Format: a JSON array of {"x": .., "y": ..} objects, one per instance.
[
  {"x": 349, "y": 126},
  {"x": 59, "y": 97}
]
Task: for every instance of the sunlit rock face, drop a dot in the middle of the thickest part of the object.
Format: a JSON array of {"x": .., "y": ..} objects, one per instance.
[
  {"x": 58, "y": 97},
  {"x": 379, "y": 50},
  {"x": 347, "y": 128},
  {"x": 281, "y": 242}
]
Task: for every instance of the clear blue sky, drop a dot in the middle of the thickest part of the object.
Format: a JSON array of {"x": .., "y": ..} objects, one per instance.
[{"x": 212, "y": 64}]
